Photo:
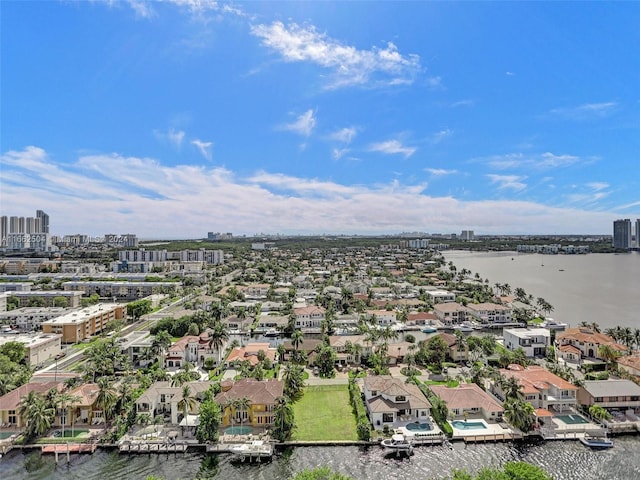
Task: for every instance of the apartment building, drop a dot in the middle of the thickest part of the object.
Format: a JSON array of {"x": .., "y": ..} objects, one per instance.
[
  {"x": 534, "y": 341},
  {"x": 39, "y": 347},
  {"x": 81, "y": 324}
]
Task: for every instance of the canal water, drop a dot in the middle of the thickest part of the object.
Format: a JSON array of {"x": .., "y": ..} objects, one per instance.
[{"x": 565, "y": 460}]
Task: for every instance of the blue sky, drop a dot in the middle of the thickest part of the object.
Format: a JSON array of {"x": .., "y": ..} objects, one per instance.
[{"x": 170, "y": 119}]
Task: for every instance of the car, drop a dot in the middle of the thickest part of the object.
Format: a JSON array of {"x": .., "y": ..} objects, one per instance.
[
  {"x": 316, "y": 371},
  {"x": 60, "y": 355}
]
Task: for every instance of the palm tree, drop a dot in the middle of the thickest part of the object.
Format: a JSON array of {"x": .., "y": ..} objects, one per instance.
[
  {"x": 106, "y": 398},
  {"x": 283, "y": 419},
  {"x": 293, "y": 381},
  {"x": 187, "y": 403},
  {"x": 297, "y": 337},
  {"x": 36, "y": 413},
  {"x": 512, "y": 388},
  {"x": 218, "y": 336},
  {"x": 599, "y": 413},
  {"x": 520, "y": 414},
  {"x": 608, "y": 354},
  {"x": 241, "y": 405},
  {"x": 65, "y": 399}
]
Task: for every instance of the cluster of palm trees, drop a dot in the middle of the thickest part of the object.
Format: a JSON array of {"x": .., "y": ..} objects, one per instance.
[
  {"x": 624, "y": 335},
  {"x": 378, "y": 339},
  {"x": 517, "y": 410}
]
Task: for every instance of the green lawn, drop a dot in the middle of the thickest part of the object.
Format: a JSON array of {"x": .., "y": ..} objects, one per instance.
[{"x": 324, "y": 413}]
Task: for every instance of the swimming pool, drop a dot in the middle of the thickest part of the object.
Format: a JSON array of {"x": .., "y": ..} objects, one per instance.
[
  {"x": 419, "y": 426},
  {"x": 572, "y": 419},
  {"x": 238, "y": 431},
  {"x": 466, "y": 425}
]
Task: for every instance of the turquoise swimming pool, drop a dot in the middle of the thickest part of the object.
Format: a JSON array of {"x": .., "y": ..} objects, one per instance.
[
  {"x": 419, "y": 426},
  {"x": 238, "y": 431},
  {"x": 466, "y": 425}
]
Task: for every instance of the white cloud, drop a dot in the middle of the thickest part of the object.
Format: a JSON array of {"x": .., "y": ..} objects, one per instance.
[
  {"x": 440, "y": 172},
  {"x": 597, "y": 186},
  {"x": 349, "y": 65},
  {"x": 441, "y": 135},
  {"x": 142, "y": 196},
  {"x": 143, "y": 9},
  {"x": 338, "y": 153},
  {"x": 175, "y": 137},
  {"x": 303, "y": 125},
  {"x": 511, "y": 182},
  {"x": 204, "y": 147},
  {"x": 510, "y": 74},
  {"x": 344, "y": 135},
  {"x": 585, "y": 111},
  {"x": 463, "y": 103},
  {"x": 392, "y": 147},
  {"x": 540, "y": 161}
]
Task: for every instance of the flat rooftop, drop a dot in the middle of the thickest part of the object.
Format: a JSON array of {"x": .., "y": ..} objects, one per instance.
[{"x": 85, "y": 313}]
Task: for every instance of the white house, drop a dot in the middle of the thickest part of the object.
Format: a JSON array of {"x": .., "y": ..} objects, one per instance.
[{"x": 534, "y": 341}]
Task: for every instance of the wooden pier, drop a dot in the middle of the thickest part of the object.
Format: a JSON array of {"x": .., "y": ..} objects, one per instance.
[{"x": 68, "y": 448}]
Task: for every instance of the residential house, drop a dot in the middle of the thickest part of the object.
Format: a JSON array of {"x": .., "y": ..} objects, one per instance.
[
  {"x": 622, "y": 395},
  {"x": 587, "y": 341},
  {"x": 440, "y": 296},
  {"x": 489, "y": 313},
  {"x": 346, "y": 355},
  {"x": 630, "y": 364},
  {"x": 10, "y": 402},
  {"x": 309, "y": 318},
  {"x": 384, "y": 318},
  {"x": 469, "y": 399},
  {"x": 450, "y": 313},
  {"x": 162, "y": 399},
  {"x": 534, "y": 341},
  {"x": 83, "y": 410},
  {"x": 457, "y": 352},
  {"x": 262, "y": 398},
  {"x": 251, "y": 353},
  {"x": 184, "y": 350},
  {"x": 390, "y": 401},
  {"x": 540, "y": 387},
  {"x": 237, "y": 324},
  {"x": 421, "y": 318}
]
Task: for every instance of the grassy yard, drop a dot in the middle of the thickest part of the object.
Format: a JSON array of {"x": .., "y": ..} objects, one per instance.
[{"x": 324, "y": 413}]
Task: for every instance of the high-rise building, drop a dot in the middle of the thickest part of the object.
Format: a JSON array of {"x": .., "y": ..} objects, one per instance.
[
  {"x": 638, "y": 233},
  {"x": 622, "y": 233},
  {"x": 4, "y": 230},
  {"x": 14, "y": 225},
  {"x": 467, "y": 235},
  {"x": 44, "y": 221}
]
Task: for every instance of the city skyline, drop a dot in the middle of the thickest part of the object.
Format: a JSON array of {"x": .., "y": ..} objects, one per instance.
[{"x": 171, "y": 119}]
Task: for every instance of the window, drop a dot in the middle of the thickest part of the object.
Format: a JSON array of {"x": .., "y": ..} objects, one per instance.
[
  {"x": 387, "y": 417},
  {"x": 401, "y": 398}
]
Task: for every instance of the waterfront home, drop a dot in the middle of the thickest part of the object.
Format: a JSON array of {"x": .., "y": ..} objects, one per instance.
[
  {"x": 162, "y": 399},
  {"x": 383, "y": 318},
  {"x": 539, "y": 387},
  {"x": 309, "y": 318},
  {"x": 421, "y": 318},
  {"x": 534, "y": 341},
  {"x": 620, "y": 395},
  {"x": 390, "y": 401},
  {"x": 10, "y": 402},
  {"x": 83, "y": 409},
  {"x": 261, "y": 402},
  {"x": 251, "y": 353},
  {"x": 268, "y": 322},
  {"x": 468, "y": 399},
  {"x": 450, "y": 313},
  {"x": 587, "y": 341},
  {"x": 255, "y": 290},
  {"x": 489, "y": 313}
]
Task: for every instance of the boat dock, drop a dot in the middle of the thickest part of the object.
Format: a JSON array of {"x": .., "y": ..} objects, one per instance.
[
  {"x": 491, "y": 437},
  {"x": 152, "y": 447},
  {"x": 68, "y": 448}
]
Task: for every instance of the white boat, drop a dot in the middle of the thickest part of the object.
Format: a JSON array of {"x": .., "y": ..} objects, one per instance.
[
  {"x": 551, "y": 324},
  {"x": 594, "y": 441},
  {"x": 397, "y": 442},
  {"x": 256, "y": 448},
  {"x": 272, "y": 332},
  {"x": 464, "y": 327}
]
